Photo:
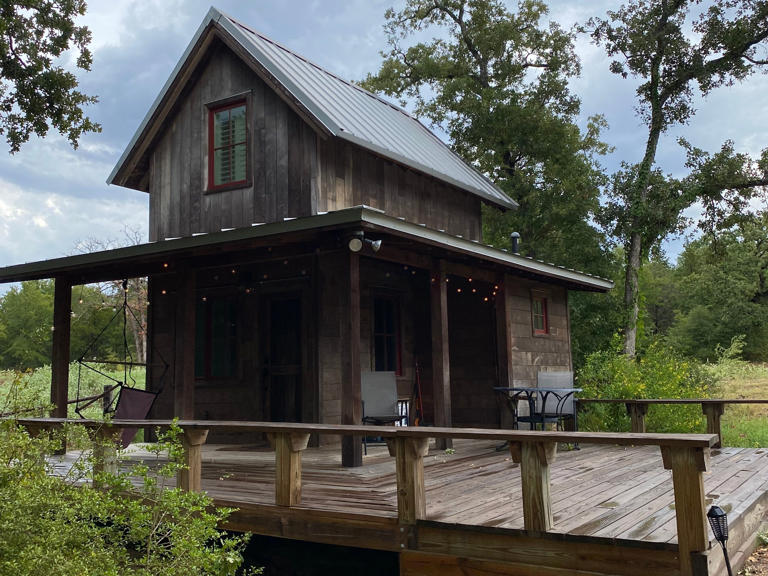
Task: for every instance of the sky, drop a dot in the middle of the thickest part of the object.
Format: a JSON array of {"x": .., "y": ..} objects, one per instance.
[{"x": 53, "y": 197}]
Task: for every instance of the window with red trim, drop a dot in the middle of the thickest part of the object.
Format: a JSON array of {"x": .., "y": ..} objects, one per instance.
[
  {"x": 227, "y": 145},
  {"x": 386, "y": 335},
  {"x": 540, "y": 318}
]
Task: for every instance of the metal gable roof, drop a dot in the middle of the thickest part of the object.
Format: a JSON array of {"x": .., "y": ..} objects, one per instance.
[{"x": 346, "y": 111}]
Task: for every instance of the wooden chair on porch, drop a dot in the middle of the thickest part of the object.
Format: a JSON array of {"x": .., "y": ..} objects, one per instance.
[{"x": 379, "y": 394}]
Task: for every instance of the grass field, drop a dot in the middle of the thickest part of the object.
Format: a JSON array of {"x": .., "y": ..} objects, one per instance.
[{"x": 743, "y": 425}]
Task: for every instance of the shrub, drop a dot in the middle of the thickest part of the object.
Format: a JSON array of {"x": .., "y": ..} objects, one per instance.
[
  {"x": 59, "y": 524},
  {"x": 658, "y": 373}
]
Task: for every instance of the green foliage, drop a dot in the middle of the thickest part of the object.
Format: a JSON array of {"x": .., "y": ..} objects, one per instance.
[
  {"x": 31, "y": 391},
  {"x": 132, "y": 525},
  {"x": 658, "y": 373},
  {"x": 651, "y": 42},
  {"x": 497, "y": 82},
  {"x": 36, "y": 93},
  {"x": 723, "y": 284},
  {"x": 26, "y": 320}
]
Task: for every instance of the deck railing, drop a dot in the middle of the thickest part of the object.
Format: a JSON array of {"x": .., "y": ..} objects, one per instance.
[
  {"x": 637, "y": 408},
  {"x": 686, "y": 455}
]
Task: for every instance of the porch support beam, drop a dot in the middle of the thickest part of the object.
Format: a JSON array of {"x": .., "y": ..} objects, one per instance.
[
  {"x": 351, "y": 394},
  {"x": 504, "y": 330},
  {"x": 288, "y": 448},
  {"x": 191, "y": 476},
  {"x": 441, "y": 370},
  {"x": 62, "y": 310},
  {"x": 409, "y": 463},
  {"x": 184, "y": 357}
]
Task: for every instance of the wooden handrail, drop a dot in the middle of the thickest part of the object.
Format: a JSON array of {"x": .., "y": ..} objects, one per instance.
[
  {"x": 519, "y": 436},
  {"x": 686, "y": 455},
  {"x": 712, "y": 408}
]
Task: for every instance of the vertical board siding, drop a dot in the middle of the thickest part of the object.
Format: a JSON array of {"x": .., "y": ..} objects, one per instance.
[{"x": 282, "y": 158}]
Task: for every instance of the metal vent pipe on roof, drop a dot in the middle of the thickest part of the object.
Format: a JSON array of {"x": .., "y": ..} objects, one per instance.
[{"x": 515, "y": 236}]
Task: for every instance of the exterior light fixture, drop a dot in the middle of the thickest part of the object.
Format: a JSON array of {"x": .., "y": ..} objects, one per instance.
[
  {"x": 718, "y": 520},
  {"x": 356, "y": 242}
]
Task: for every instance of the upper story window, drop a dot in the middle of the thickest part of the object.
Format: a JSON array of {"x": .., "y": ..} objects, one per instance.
[
  {"x": 386, "y": 335},
  {"x": 540, "y": 317},
  {"x": 227, "y": 145}
]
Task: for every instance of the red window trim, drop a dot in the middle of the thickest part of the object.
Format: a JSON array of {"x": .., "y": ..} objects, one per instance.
[
  {"x": 544, "y": 315},
  {"x": 211, "y": 156},
  {"x": 398, "y": 332}
]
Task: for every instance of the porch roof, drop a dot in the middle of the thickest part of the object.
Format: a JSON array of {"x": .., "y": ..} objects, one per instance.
[{"x": 142, "y": 259}]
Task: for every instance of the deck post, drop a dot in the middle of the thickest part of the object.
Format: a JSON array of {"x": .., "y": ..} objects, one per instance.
[
  {"x": 713, "y": 411},
  {"x": 687, "y": 465},
  {"x": 190, "y": 478},
  {"x": 637, "y": 412},
  {"x": 184, "y": 358},
  {"x": 62, "y": 316},
  {"x": 105, "y": 452},
  {"x": 351, "y": 386},
  {"x": 441, "y": 372},
  {"x": 535, "y": 459},
  {"x": 288, "y": 448},
  {"x": 409, "y": 463}
]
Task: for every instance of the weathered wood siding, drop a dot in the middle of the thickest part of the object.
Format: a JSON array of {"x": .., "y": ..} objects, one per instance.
[
  {"x": 282, "y": 158},
  {"x": 351, "y": 176},
  {"x": 531, "y": 353},
  {"x": 293, "y": 171}
]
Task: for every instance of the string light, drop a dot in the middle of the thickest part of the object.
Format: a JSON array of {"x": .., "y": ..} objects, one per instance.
[
  {"x": 458, "y": 290},
  {"x": 163, "y": 292},
  {"x": 165, "y": 264}
]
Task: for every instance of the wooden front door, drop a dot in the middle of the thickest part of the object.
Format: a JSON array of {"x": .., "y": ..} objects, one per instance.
[{"x": 283, "y": 361}]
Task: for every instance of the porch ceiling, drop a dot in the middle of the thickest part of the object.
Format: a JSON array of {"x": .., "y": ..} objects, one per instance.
[{"x": 145, "y": 259}]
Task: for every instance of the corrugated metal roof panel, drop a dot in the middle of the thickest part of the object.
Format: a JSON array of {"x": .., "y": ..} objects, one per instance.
[{"x": 366, "y": 119}]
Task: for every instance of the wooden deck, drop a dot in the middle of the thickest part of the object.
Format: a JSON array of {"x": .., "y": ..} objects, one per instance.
[{"x": 606, "y": 491}]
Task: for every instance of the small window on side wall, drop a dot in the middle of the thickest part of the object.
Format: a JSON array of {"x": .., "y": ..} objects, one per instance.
[
  {"x": 540, "y": 317},
  {"x": 386, "y": 335},
  {"x": 227, "y": 145}
]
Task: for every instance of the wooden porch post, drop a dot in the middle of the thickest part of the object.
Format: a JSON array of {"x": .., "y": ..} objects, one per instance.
[
  {"x": 62, "y": 310},
  {"x": 184, "y": 356},
  {"x": 687, "y": 465},
  {"x": 441, "y": 370},
  {"x": 504, "y": 331},
  {"x": 191, "y": 478},
  {"x": 351, "y": 395},
  {"x": 288, "y": 448}
]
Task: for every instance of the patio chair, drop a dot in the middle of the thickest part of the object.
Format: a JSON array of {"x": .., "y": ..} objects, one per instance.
[
  {"x": 379, "y": 394},
  {"x": 556, "y": 407}
]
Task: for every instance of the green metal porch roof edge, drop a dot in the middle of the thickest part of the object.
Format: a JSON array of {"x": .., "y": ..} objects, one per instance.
[
  {"x": 344, "y": 109},
  {"x": 348, "y": 217}
]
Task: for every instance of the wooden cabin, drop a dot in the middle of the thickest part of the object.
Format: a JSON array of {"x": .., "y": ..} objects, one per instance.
[{"x": 302, "y": 231}]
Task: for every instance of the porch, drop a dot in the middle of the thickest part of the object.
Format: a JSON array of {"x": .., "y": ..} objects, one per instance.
[{"x": 616, "y": 506}]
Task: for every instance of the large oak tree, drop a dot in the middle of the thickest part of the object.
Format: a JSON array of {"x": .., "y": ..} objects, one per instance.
[{"x": 676, "y": 48}]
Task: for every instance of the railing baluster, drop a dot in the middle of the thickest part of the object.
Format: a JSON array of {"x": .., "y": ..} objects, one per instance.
[
  {"x": 534, "y": 459},
  {"x": 288, "y": 448},
  {"x": 409, "y": 463},
  {"x": 713, "y": 411},
  {"x": 687, "y": 465},
  {"x": 190, "y": 478}
]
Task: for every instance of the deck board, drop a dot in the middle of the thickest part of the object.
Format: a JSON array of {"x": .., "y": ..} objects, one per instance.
[{"x": 599, "y": 490}]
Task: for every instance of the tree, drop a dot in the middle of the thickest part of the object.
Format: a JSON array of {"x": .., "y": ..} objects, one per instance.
[
  {"x": 497, "y": 83},
  {"x": 723, "y": 281},
  {"x": 37, "y": 93},
  {"x": 650, "y": 40}
]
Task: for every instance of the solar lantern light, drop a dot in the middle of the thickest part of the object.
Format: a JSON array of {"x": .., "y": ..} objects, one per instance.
[
  {"x": 356, "y": 242},
  {"x": 718, "y": 520}
]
